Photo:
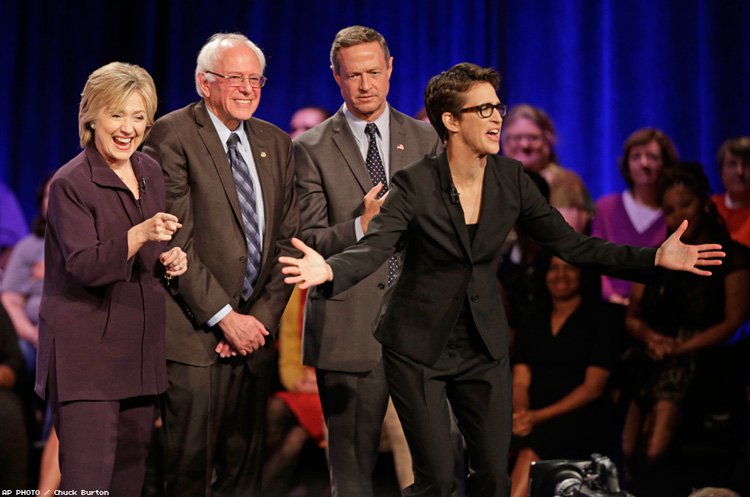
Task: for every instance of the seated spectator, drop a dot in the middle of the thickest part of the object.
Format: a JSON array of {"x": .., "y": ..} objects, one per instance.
[
  {"x": 528, "y": 135},
  {"x": 13, "y": 439},
  {"x": 294, "y": 415},
  {"x": 12, "y": 224},
  {"x": 562, "y": 356},
  {"x": 634, "y": 216},
  {"x": 519, "y": 265},
  {"x": 22, "y": 283},
  {"x": 734, "y": 205},
  {"x": 686, "y": 372}
]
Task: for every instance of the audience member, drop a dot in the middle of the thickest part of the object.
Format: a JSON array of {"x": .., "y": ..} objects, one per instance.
[
  {"x": 14, "y": 446},
  {"x": 634, "y": 216},
  {"x": 294, "y": 415},
  {"x": 686, "y": 372},
  {"x": 101, "y": 357},
  {"x": 343, "y": 168},
  {"x": 562, "y": 357},
  {"x": 12, "y": 224},
  {"x": 734, "y": 204},
  {"x": 230, "y": 178},
  {"x": 23, "y": 280},
  {"x": 306, "y": 118},
  {"x": 444, "y": 333},
  {"x": 529, "y": 136},
  {"x": 519, "y": 266}
]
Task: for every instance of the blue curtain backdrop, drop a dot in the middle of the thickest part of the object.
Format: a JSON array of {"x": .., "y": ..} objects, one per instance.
[{"x": 600, "y": 68}]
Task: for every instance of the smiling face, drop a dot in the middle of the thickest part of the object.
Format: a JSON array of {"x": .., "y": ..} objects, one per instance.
[
  {"x": 563, "y": 280},
  {"x": 232, "y": 104},
  {"x": 525, "y": 142},
  {"x": 479, "y": 135},
  {"x": 645, "y": 164},
  {"x": 364, "y": 79},
  {"x": 119, "y": 132}
]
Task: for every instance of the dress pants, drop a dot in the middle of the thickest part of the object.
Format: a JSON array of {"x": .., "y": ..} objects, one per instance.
[
  {"x": 104, "y": 444},
  {"x": 354, "y": 406},
  {"x": 213, "y": 429},
  {"x": 479, "y": 391}
]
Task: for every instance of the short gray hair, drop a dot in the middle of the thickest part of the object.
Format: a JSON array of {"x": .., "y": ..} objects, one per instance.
[{"x": 210, "y": 54}]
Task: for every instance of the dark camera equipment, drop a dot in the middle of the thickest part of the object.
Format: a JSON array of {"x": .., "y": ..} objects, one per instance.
[{"x": 565, "y": 478}]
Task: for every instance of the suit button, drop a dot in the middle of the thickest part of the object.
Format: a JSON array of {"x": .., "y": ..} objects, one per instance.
[
  {"x": 236, "y": 296},
  {"x": 475, "y": 298},
  {"x": 381, "y": 286},
  {"x": 243, "y": 259}
]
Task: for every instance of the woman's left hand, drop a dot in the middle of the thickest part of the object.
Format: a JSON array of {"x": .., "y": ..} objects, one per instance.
[{"x": 174, "y": 261}]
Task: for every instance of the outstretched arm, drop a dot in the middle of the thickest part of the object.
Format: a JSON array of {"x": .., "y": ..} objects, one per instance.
[
  {"x": 678, "y": 256},
  {"x": 308, "y": 271}
]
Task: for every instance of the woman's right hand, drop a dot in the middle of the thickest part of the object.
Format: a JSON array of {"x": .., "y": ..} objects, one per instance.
[{"x": 158, "y": 228}]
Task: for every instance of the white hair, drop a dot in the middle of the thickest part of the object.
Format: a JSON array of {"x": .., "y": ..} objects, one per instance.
[{"x": 210, "y": 54}]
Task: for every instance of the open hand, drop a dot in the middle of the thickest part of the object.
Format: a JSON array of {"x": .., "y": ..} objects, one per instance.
[
  {"x": 678, "y": 256},
  {"x": 309, "y": 271}
]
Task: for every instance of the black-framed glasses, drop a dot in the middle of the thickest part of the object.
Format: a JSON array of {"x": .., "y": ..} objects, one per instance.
[
  {"x": 235, "y": 80},
  {"x": 485, "y": 110}
]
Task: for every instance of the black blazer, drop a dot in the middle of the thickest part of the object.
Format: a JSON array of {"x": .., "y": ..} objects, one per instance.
[{"x": 443, "y": 269}]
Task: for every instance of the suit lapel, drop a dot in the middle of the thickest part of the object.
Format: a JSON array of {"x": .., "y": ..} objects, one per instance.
[
  {"x": 219, "y": 157},
  {"x": 346, "y": 143},
  {"x": 397, "y": 159},
  {"x": 455, "y": 212}
]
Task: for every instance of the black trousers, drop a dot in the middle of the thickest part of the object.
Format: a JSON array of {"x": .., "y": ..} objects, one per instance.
[
  {"x": 479, "y": 391},
  {"x": 213, "y": 429}
]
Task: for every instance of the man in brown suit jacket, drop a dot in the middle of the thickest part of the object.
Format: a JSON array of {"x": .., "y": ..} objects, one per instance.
[
  {"x": 222, "y": 322},
  {"x": 338, "y": 197}
]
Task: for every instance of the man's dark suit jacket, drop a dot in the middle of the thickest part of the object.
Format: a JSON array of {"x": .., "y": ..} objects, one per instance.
[
  {"x": 101, "y": 320},
  {"x": 332, "y": 180},
  {"x": 202, "y": 194},
  {"x": 443, "y": 268}
]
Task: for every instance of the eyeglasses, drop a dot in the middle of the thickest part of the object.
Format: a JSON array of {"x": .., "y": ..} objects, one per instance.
[
  {"x": 236, "y": 80},
  {"x": 485, "y": 110}
]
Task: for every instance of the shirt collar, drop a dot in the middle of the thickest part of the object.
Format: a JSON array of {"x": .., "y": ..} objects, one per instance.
[
  {"x": 225, "y": 132},
  {"x": 383, "y": 122}
]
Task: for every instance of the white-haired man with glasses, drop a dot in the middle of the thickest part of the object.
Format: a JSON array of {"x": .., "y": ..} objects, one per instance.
[{"x": 231, "y": 177}]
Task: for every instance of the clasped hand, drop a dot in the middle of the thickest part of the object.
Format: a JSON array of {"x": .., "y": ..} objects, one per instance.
[{"x": 243, "y": 334}]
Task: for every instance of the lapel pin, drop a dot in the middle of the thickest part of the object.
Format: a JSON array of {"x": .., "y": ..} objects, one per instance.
[
  {"x": 262, "y": 154},
  {"x": 400, "y": 146}
]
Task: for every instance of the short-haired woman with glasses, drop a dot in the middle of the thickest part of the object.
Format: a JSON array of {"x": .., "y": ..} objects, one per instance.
[{"x": 443, "y": 328}]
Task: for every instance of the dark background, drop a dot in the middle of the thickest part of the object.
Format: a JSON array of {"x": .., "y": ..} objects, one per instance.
[{"x": 600, "y": 68}]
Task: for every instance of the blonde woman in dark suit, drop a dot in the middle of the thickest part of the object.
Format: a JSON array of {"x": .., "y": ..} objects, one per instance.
[{"x": 101, "y": 360}]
